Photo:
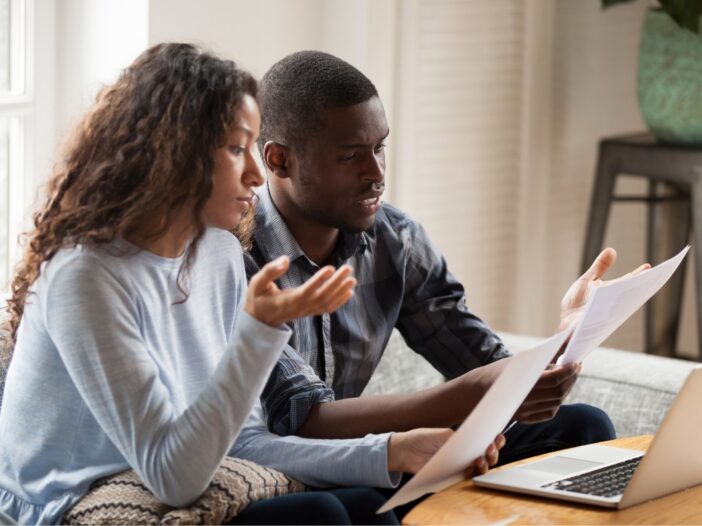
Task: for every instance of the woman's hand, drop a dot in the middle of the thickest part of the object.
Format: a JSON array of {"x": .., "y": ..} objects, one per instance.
[
  {"x": 408, "y": 451},
  {"x": 492, "y": 454},
  {"x": 326, "y": 291}
]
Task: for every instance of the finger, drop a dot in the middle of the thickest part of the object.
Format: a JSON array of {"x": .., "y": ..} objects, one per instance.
[
  {"x": 320, "y": 277},
  {"x": 556, "y": 375},
  {"x": 260, "y": 281},
  {"x": 313, "y": 304},
  {"x": 344, "y": 294},
  {"x": 500, "y": 441},
  {"x": 480, "y": 466},
  {"x": 492, "y": 455},
  {"x": 536, "y": 418},
  {"x": 637, "y": 270},
  {"x": 335, "y": 281},
  {"x": 550, "y": 394},
  {"x": 603, "y": 262}
]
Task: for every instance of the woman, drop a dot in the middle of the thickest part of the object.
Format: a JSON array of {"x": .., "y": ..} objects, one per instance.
[{"x": 136, "y": 343}]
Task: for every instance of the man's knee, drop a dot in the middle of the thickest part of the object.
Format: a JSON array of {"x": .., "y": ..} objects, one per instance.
[{"x": 585, "y": 423}]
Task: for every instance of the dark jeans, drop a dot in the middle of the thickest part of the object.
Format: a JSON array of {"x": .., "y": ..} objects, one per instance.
[
  {"x": 338, "y": 506},
  {"x": 574, "y": 425}
]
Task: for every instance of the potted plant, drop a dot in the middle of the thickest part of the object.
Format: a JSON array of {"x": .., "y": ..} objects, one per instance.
[{"x": 669, "y": 79}]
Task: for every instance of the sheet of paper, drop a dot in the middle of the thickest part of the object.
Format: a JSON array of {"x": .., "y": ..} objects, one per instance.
[
  {"x": 489, "y": 417},
  {"x": 612, "y": 305}
]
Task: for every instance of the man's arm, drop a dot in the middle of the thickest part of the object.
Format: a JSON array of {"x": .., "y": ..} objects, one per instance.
[{"x": 373, "y": 460}]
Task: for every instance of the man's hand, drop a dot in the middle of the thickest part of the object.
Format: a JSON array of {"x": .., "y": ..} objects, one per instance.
[
  {"x": 548, "y": 394},
  {"x": 408, "y": 451},
  {"x": 579, "y": 292},
  {"x": 326, "y": 291}
]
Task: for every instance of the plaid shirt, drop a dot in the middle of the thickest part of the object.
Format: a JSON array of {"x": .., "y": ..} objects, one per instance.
[{"x": 403, "y": 283}]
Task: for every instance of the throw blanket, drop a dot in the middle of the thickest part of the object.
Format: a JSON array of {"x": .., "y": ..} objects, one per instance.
[{"x": 123, "y": 499}]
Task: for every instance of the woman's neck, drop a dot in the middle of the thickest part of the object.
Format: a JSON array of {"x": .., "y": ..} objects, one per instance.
[{"x": 170, "y": 244}]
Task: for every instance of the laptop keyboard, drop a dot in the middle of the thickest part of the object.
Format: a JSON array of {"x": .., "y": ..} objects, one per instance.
[{"x": 608, "y": 481}]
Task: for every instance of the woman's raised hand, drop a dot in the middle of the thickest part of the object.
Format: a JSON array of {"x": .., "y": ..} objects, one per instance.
[{"x": 326, "y": 291}]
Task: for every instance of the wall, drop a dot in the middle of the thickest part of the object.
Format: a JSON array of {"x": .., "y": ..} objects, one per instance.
[{"x": 495, "y": 110}]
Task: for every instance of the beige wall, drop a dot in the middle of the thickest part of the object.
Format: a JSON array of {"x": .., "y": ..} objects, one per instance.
[{"x": 495, "y": 108}]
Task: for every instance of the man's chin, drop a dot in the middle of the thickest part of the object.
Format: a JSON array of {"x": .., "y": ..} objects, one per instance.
[{"x": 359, "y": 225}]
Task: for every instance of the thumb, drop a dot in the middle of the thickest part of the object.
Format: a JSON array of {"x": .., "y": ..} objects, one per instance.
[
  {"x": 602, "y": 264},
  {"x": 268, "y": 273}
]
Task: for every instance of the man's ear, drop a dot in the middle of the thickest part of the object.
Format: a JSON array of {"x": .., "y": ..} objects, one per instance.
[{"x": 275, "y": 157}]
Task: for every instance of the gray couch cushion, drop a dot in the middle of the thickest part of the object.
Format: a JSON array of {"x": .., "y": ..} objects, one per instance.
[
  {"x": 401, "y": 370},
  {"x": 634, "y": 389}
]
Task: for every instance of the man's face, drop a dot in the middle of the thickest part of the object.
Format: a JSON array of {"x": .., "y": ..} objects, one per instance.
[{"x": 338, "y": 180}]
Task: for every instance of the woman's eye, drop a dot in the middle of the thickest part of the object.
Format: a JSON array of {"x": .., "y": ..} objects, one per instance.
[
  {"x": 236, "y": 150},
  {"x": 348, "y": 157}
]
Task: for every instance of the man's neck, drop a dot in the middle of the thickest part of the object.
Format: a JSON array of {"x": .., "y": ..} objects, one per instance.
[{"x": 317, "y": 241}]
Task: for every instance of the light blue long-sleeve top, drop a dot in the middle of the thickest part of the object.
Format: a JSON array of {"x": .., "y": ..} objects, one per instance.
[{"x": 110, "y": 373}]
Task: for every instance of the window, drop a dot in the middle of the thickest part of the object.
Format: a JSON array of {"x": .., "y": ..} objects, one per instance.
[{"x": 15, "y": 105}]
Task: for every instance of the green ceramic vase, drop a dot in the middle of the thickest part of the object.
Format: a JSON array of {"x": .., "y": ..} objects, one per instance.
[{"x": 670, "y": 80}]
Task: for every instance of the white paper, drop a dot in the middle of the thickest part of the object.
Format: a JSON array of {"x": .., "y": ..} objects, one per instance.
[
  {"x": 613, "y": 304},
  {"x": 480, "y": 428}
]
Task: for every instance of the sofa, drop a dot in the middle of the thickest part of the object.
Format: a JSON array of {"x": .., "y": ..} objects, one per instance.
[{"x": 634, "y": 389}]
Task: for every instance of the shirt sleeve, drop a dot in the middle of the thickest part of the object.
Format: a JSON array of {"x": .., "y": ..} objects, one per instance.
[
  {"x": 434, "y": 318},
  {"x": 318, "y": 462},
  {"x": 293, "y": 389},
  {"x": 93, "y": 322}
]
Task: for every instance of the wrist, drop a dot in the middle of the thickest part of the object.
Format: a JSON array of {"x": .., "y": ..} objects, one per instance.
[
  {"x": 395, "y": 446},
  {"x": 260, "y": 317}
]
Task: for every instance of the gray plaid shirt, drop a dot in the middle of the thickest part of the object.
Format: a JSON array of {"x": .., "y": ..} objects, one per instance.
[{"x": 403, "y": 282}]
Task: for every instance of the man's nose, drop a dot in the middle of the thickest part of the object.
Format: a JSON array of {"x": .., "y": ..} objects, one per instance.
[{"x": 374, "y": 170}]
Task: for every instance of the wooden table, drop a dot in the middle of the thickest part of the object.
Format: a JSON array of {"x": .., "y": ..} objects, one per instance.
[{"x": 464, "y": 503}]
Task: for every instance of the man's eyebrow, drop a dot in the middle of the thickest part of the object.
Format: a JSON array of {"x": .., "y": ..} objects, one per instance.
[{"x": 360, "y": 144}]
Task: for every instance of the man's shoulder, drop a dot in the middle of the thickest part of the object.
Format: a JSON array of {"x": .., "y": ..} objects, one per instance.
[
  {"x": 394, "y": 219},
  {"x": 396, "y": 226}
]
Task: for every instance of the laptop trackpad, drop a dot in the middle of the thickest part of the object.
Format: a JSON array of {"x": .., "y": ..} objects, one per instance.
[{"x": 561, "y": 465}]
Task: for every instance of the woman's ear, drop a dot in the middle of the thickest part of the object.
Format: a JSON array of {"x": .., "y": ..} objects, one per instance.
[{"x": 275, "y": 157}]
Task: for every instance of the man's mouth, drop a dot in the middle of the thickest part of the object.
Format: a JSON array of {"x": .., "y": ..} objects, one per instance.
[{"x": 370, "y": 201}]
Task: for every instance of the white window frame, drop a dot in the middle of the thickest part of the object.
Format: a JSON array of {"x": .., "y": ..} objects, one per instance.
[{"x": 17, "y": 106}]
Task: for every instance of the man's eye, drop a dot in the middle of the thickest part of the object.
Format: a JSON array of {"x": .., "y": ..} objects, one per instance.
[
  {"x": 380, "y": 147},
  {"x": 348, "y": 157}
]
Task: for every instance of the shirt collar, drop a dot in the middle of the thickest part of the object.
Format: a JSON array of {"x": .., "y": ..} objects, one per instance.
[{"x": 272, "y": 235}]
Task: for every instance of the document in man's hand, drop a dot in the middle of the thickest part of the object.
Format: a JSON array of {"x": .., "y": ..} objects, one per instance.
[
  {"x": 609, "y": 307},
  {"x": 482, "y": 425},
  {"x": 612, "y": 304}
]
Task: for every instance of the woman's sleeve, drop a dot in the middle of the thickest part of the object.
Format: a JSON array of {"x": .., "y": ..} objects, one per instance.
[{"x": 93, "y": 320}]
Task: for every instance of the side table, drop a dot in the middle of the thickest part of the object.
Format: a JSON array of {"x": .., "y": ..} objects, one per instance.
[{"x": 674, "y": 175}]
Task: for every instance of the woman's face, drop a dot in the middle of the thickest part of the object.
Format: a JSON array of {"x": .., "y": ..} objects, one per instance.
[{"x": 236, "y": 171}]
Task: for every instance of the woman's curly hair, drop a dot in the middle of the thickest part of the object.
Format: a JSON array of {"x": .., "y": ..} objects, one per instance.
[{"x": 148, "y": 144}]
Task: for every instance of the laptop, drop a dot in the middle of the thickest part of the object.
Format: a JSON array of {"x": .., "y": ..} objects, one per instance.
[{"x": 615, "y": 477}]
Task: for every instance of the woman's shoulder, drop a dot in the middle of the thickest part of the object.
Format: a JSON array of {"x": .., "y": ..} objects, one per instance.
[{"x": 221, "y": 241}]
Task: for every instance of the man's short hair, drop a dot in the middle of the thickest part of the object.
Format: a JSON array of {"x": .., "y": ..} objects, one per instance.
[{"x": 296, "y": 90}]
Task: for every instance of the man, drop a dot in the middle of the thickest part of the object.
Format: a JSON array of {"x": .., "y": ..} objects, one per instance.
[{"x": 322, "y": 142}]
